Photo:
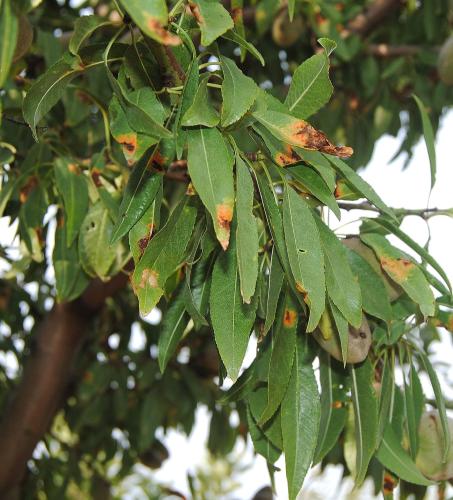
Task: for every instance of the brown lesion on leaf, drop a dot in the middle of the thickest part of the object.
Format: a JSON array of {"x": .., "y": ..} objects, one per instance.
[
  {"x": 289, "y": 318},
  {"x": 164, "y": 36},
  {"x": 129, "y": 144},
  {"x": 27, "y": 188},
  {"x": 96, "y": 176},
  {"x": 195, "y": 10},
  {"x": 398, "y": 268},
  {"x": 389, "y": 483},
  {"x": 73, "y": 168},
  {"x": 287, "y": 157},
  {"x": 237, "y": 14},
  {"x": 336, "y": 405},
  {"x": 304, "y": 135},
  {"x": 224, "y": 215},
  {"x": 150, "y": 278}
]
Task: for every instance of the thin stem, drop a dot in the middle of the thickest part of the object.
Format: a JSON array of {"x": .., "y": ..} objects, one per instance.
[{"x": 424, "y": 213}]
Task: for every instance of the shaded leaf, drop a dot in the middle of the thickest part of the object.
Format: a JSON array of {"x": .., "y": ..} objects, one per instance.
[
  {"x": 274, "y": 286},
  {"x": 212, "y": 18},
  {"x": 201, "y": 111},
  {"x": 84, "y": 27},
  {"x": 9, "y": 29},
  {"x": 429, "y": 138},
  {"x": 244, "y": 44}
]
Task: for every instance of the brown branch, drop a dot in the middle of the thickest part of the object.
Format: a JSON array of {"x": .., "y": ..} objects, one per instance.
[
  {"x": 378, "y": 10},
  {"x": 385, "y": 50},
  {"x": 424, "y": 213},
  {"x": 46, "y": 375}
]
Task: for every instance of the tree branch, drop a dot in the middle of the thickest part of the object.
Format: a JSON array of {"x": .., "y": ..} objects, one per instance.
[
  {"x": 378, "y": 10},
  {"x": 424, "y": 213},
  {"x": 47, "y": 371},
  {"x": 385, "y": 50}
]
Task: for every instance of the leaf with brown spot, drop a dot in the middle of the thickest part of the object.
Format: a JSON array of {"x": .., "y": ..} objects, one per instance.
[
  {"x": 299, "y": 133},
  {"x": 403, "y": 270},
  {"x": 212, "y": 18}
]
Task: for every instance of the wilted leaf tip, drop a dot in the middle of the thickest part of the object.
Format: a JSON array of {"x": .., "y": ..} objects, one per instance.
[
  {"x": 224, "y": 215},
  {"x": 164, "y": 35},
  {"x": 400, "y": 268}
]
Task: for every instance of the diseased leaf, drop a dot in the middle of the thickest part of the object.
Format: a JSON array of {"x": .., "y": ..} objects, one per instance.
[
  {"x": 210, "y": 164},
  {"x": 299, "y": 133},
  {"x": 429, "y": 138},
  {"x": 246, "y": 232},
  {"x": 283, "y": 346},
  {"x": 73, "y": 187},
  {"x": 84, "y": 27},
  {"x": 403, "y": 270},
  {"x": 151, "y": 16},
  {"x": 274, "y": 286},
  {"x": 212, "y": 18},
  {"x": 395, "y": 458},
  {"x": 162, "y": 256},
  {"x": 201, "y": 112},
  {"x": 9, "y": 29},
  {"x": 310, "y": 87},
  {"x": 365, "y": 416},
  {"x": 138, "y": 195},
  {"x": 232, "y": 320},
  {"x": 341, "y": 284},
  {"x": 301, "y": 410},
  {"x": 238, "y": 92},
  {"x": 304, "y": 253}
]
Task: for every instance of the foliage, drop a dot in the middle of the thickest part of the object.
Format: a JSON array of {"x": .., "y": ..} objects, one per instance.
[{"x": 141, "y": 139}]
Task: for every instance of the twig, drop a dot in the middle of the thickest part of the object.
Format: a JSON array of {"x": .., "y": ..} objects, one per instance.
[
  {"x": 424, "y": 213},
  {"x": 386, "y": 50},
  {"x": 364, "y": 22}
]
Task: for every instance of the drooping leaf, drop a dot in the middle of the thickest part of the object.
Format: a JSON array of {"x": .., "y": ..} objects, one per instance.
[
  {"x": 73, "y": 187},
  {"x": 429, "y": 138},
  {"x": 304, "y": 253},
  {"x": 238, "y": 92},
  {"x": 138, "y": 195},
  {"x": 274, "y": 286},
  {"x": 212, "y": 18},
  {"x": 244, "y": 44},
  {"x": 283, "y": 346},
  {"x": 261, "y": 443},
  {"x": 342, "y": 328},
  {"x": 162, "y": 256},
  {"x": 201, "y": 111},
  {"x": 403, "y": 270},
  {"x": 232, "y": 320},
  {"x": 310, "y": 87},
  {"x": 9, "y": 28},
  {"x": 341, "y": 284},
  {"x": 210, "y": 164},
  {"x": 84, "y": 27},
  {"x": 272, "y": 429},
  {"x": 247, "y": 231},
  {"x": 301, "y": 410},
  {"x": 395, "y": 458},
  {"x": 365, "y": 416}
]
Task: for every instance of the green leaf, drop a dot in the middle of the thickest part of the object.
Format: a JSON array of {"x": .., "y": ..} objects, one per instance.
[
  {"x": 173, "y": 325},
  {"x": 84, "y": 27},
  {"x": 301, "y": 410},
  {"x": 316, "y": 186},
  {"x": 414, "y": 403},
  {"x": 274, "y": 287},
  {"x": 375, "y": 300},
  {"x": 151, "y": 16},
  {"x": 9, "y": 28},
  {"x": 210, "y": 165},
  {"x": 272, "y": 428},
  {"x": 246, "y": 232},
  {"x": 73, "y": 187},
  {"x": 361, "y": 186},
  {"x": 96, "y": 254},
  {"x": 240, "y": 388},
  {"x": 201, "y": 112},
  {"x": 393, "y": 457},
  {"x": 403, "y": 270},
  {"x": 238, "y": 92},
  {"x": 138, "y": 195},
  {"x": 261, "y": 443},
  {"x": 429, "y": 138},
  {"x": 304, "y": 253},
  {"x": 334, "y": 388},
  {"x": 310, "y": 87},
  {"x": 232, "y": 320},
  {"x": 342, "y": 286},
  {"x": 342, "y": 327},
  {"x": 237, "y": 38},
  {"x": 365, "y": 416},
  {"x": 281, "y": 362},
  {"x": 212, "y": 18},
  {"x": 162, "y": 256}
]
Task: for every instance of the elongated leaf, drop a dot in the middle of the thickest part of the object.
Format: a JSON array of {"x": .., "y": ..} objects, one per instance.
[
  {"x": 232, "y": 320},
  {"x": 272, "y": 428},
  {"x": 304, "y": 253},
  {"x": 241, "y": 387},
  {"x": 342, "y": 286},
  {"x": 310, "y": 87},
  {"x": 84, "y": 27},
  {"x": 375, "y": 300},
  {"x": 173, "y": 324},
  {"x": 414, "y": 403},
  {"x": 201, "y": 112},
  {"x": 238, "y": 92},
  {"x": 9, "y": 28},
  {"x": 210, "y": 164},
  {"x": 429, "y": 138},
  {"x": 342, "y": 328},
  {"x": 403, "y": 270},
  {"x": 393, "y": 456},
  {"x": 212, "y": 18},
  {"x": 334, "y": 387},
  {"x": 151, "y": 17},
  {"x": 261, "y": 443},
  {"x": 360, "y": 185},
  {"x": 365, "y": 416},
  {"x": 162, "y": 256},
  {"x": 283, "y": 346},
  {"x": 274, "y": 286},
  {"x": 140, "y": 192},
  {"x": 301, "y": 410},
  {"x": 73, "y": 188},
  {"x": 244, "y": 44},
  {"x": 246, "y": 232}
]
